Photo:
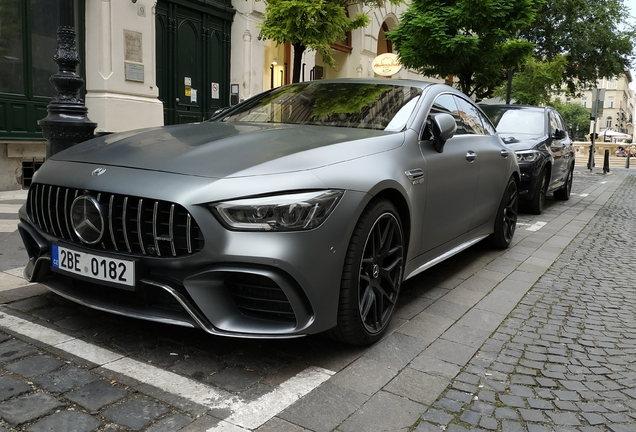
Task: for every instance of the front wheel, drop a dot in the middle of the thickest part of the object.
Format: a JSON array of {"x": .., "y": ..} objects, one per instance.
[
  {"x": 506, "y": 219},
  {"x": 537, "y": 203},
  {"x": 563, "y": 194},
  {"x": 372, "y": 276}
]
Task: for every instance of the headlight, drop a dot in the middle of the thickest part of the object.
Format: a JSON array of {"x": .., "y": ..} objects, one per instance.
[
  {"x": 527, "y": 155},
  {"x": 292, "y": 212}
]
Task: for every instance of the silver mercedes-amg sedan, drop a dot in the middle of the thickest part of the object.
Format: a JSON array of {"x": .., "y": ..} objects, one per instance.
[{"x": 299, "y": 211}]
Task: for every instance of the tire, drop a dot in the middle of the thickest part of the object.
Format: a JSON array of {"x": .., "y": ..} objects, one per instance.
[
  {"x": 537, "y": 203},
  {"x": 372, "y": 276},
  {"x": 563, "y": 194},
  {"x": 506, "y": 219}
]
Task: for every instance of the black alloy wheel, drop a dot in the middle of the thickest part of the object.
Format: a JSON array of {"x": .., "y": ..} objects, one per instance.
[
  {"x": 537, "y": 203},
  {"x": 506, "y": 219},
  {"x": 372, "y": 276},
  {"x": 563, "y": 194}
]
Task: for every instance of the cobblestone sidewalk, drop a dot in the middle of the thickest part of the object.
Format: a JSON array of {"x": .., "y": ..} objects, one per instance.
[{"x": 565, "y": 358}]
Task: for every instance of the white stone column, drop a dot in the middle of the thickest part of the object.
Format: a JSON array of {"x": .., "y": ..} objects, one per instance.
[{"x": 121, "y": 91}]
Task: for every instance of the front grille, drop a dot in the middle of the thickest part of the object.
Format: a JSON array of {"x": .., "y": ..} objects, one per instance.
[
  {"x": 260, "y": 297},
  {"x": 135, "y": 225}
]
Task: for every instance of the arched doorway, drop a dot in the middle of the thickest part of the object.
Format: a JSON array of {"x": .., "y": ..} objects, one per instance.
[{"x": 384, "y": 45}]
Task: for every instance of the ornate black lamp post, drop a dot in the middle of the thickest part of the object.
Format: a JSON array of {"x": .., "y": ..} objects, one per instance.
[{"x": 67, "y": 122}]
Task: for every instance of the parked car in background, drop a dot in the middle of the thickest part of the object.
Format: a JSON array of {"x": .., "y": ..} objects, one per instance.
[
  {"x": 301, "y": 210},
  {"x": 544, "y": 151}
]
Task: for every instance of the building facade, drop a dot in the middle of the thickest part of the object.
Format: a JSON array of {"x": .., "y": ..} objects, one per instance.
[
  {"x": 617, "y": 111},
  {"x": 148, "y": 63}
]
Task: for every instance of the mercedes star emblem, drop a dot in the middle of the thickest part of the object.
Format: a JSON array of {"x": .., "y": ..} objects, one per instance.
[{"x": 87, "y": 219}]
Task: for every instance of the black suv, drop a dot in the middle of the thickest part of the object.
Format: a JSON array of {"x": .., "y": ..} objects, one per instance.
[{"x": 544, "y": 151}]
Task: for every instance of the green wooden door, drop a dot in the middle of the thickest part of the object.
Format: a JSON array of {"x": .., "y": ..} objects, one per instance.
[{"x": 192, "y": 60}]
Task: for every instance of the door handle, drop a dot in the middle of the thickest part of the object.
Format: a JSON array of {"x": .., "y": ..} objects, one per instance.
[
  {"x": 471, "y": 156},
  {"x": 505, "y": 153}
]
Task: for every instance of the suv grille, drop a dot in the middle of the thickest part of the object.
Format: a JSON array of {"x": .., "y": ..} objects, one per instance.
[{"x": 132, "y": 224}]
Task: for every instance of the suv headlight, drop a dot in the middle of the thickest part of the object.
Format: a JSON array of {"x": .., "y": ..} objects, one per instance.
[
  {"x": 527, "y": 155},
  {"x": 289, "y": 212}
]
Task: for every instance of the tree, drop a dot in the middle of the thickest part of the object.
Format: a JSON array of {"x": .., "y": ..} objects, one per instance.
[
  {"x": 576, "y": 118},
  {"x": 475, "y": 41},
  {"x": 588, "y": 33},
  {"x": 534, "y": 83},
  {"x": 312, "y": 24}
]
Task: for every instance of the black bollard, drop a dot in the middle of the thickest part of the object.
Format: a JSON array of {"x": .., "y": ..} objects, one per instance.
[
  {"x": 627, "y": 161},
  {"x": 606, "y": 162}
]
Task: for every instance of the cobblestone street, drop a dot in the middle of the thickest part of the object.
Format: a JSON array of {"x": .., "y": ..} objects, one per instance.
[{"x": 564, "y": 359}]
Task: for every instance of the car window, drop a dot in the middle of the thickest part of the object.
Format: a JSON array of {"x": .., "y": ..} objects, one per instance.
[
  {"x": 521, "y": 122},
  {"x": 354, "y": 105},
  {"x": 489, "y": 129},
  {"x": 554, "y": 123},
  {"x": 470, "y": 116},
  {"x": 444, "y": 103}
]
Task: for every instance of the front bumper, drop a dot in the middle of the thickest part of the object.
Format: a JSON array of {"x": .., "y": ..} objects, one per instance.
[
  {"x": 529, "y": 179},
  {"x": 253, "y": 285}
]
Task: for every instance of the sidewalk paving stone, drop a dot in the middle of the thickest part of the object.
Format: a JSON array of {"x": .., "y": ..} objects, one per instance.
[{"x": 572, "y": 333}]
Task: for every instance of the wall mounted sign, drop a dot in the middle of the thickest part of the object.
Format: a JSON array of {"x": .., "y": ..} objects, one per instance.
[
  {"x": 386, "y": 64},
  {"x": 134, "y": 72},
  {"x": 133, "y": 46}
]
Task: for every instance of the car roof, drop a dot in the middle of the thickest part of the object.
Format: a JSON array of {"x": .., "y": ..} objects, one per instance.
[{"x": 512, "y": 106}]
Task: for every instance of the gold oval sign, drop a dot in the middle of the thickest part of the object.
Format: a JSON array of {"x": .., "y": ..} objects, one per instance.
[{"x": 386, "y": 64}]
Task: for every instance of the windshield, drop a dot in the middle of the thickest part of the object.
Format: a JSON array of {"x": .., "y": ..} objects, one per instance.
[
  {"x": 356, "y": 105},
  {"x": 520, "y": 122}
]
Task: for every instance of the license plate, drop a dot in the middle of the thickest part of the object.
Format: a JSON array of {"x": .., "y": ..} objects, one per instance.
[{"x": 121, "y": 272}]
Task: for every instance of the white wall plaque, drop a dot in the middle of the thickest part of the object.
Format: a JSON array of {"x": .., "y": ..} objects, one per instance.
[
  {"x": 134, "y": 72},
  {"x": 132, "y": 46}
]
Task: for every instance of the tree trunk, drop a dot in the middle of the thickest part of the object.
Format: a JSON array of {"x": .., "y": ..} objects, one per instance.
[
  {"x": 298, "y": 60},
  {"x": 509, "y": 86}
]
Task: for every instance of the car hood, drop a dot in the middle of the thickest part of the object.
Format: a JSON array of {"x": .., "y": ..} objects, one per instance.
[
  {"x": 222, "y": 150},
  {"x": 521, "y": 143}
]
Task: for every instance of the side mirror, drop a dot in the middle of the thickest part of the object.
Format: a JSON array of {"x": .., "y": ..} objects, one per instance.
[
  {"x": 444, "y": 128},
  {"x": 559, "y": 134}
]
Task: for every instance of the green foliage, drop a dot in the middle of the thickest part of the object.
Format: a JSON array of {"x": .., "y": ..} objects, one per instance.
[
  {"x": 473, "y": 40},
  {"x": 576, "y": 118},
  {"x": 313, "y": 24},
  {"x": 533, "y": 84},
  {"x": 337, "y": 102},
  {"x": 589, "y": 33}
]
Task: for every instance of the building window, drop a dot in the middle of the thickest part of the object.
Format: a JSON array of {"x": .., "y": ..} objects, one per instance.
[
  {"x": 584, "y": 102},
  {"x": 608, "y": 123},
  {"x": 344, "y": 44},
  {"x": 610, "y": 102},
  {"x": 568, "y": 101},
  {"x": 611, "y": 84}
]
